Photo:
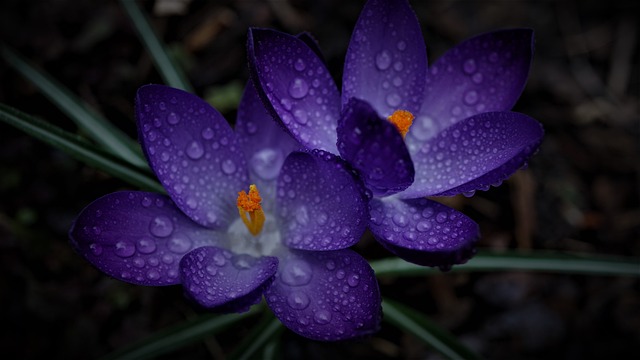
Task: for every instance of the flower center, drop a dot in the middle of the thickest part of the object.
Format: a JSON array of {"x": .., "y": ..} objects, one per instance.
[
  {"x": 402, "y": 119},
  {"x": 250, "y": 204}
]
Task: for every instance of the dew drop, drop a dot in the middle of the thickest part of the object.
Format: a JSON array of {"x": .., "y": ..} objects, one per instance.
[
  {"x": 298, "y": 88},
  {"x": 383, "y": 60},
  {"x": 266, "y": 163},
  {"x": 124, "y": 249},
  {"x": 477, "y": 78},
  {"x": 300, "y": 116},
  {"x": 179, "y": 244},
  {"x": 322, "y": 317},
  {"x": 194, "y": 150},
  {"x": 153, "y": 275},
  {"x": 423, "y": 226},
  {"x": 331, "y": 265},
  {"x": 146, "y": 245},
  {"x": 299, "y": 65},
  {"x": 228, "y": 167},
  {"x": 207, "y": 133},
  {"x": 219, "y": 259},
  {"x": 469, "y": 66},
  {"x": 400, "y": 219},
  {"x": 161, "y": 226},
  {"x": 298, "y": 300},
  {"x": 402, "y": 45},
  {"x": 242, "y": 262},
  {"x": 353, "y": 280},
  {"x": 296, "y": 273},
  {"x": 96, "y": 249},
  {"x": 393, "y": 99},
  {"x": 211, "y": 270},
  {"x": 441, "y": 217},
  {"x": 173, "y": 118},
  {"x": 471, "y": 97}
]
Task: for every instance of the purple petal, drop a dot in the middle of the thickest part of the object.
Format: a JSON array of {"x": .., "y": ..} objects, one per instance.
[
  {"x": 423, "y": 231},
  {"x": 194, "y": 153},
  {"x": 485, "y": 73},
  {"x": 264, "y": 142},
  {"x": 375, "y": 148},
  {"x": 320, "y": 203},
  {"x": 312, "y": 44},
  {"x": 475, "y": 153},
  {"x": 386, "y": 61},
  {"x": 296, "y": 87},
  {"x": 326, "y": 296},
  {"x": 137, "y": 237},
  {"x": 217, "y": 278}
]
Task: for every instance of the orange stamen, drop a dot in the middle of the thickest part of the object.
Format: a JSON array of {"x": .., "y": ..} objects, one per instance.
[
  {"x": 402, "y": 119},
  {"x": 250, "y": 204}
]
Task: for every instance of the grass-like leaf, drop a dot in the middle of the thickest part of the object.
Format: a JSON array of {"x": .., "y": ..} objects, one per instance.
[
  {"x": 551, "y": 262},
  {"x": 89, "y": 120},
  {"x": 258, "y": 338},
  {"x": 180, "y": 335},
  {"x": 426, "y": 331},
  {"x": 169, "y": 70},
  {"x": 78, "y": 148}
]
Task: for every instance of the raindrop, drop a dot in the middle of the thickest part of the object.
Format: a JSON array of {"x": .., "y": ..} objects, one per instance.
[
  {"x": 400, "y": 219},
  {"x": 211, "y": 270},
  {"x": 161, "y": 226},
  {"x": 300, "y": 116},
  {"x": 423, "y": 226},
  {"x": 477, "y": 78},
  {"x": 393, "y": 99},
  {"x": 266, "y": 163},
  {"x": 298, "y": 88},
  {"x": 383, "y": 60},
  {"x": 219, "y": 259},
  {"x": 162, "y": 106},
  {"x": 242, "y": 262},
  {"x": 146, "y": 245},
  {"x": 179, "y": 244},
  {"x": 228, "y": 167},
  {"x": 173, "y": 118},
  {"x": 441, "y": 217},
  {"x": 298, "y": 300},
  {"x": 469, "y": 66},
  {"x": 207, "y": 133},
  {"x": 353, "y": 280},
  {"x": 153, "y": 275},
  {"x": 471, "y": 97},
  {"x": 402, "y": 45},
  {"x": 299, "y": 65},
  {"x": 125, "y": 249},
  {"x": 322, "y": 317},
  {"x": 96, "y": 249},
  {"x": 195, "y": 150},
  {"x": 138, "y": 262},
  {"x": 330, "y": 265},
  {"x": 146, "y": 202},
  {"x": 296, "y": 273},
  {"x": 322, "y": 218}
]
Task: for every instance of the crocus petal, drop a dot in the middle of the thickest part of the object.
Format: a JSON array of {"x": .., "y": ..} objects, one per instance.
[
  {"x": 386, "y": 61},
  {"x": 320, "y": 203},
  {"x": 295, "y": 86},
  {"x": 194, "y": 153},
  {"x": 326, "y": 295},
  {"x": 475, "y": 153},
  {"x": 137, "y": 237},
  {"x": 218, "y": 279},
  {"x": 423, "y": 231},
  {"x": 485, "y": 73},
  {"x": 375, "y": 148},
  {"x": 264, "y": 143},
  {"x": 312, "y": 44}
]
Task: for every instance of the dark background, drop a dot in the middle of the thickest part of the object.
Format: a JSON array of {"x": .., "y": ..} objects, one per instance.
[{"x": 579, "y": 193}]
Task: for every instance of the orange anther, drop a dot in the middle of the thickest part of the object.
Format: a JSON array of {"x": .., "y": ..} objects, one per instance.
[{"x": 402, "y": 119}]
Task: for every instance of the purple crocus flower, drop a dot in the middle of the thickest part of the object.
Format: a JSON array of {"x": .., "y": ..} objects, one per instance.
[
  {"x": 287, "y": 238},
  {"x": 462, "y": 136}
]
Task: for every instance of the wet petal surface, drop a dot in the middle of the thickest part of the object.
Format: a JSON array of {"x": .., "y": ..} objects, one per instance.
[
  {"x": 320, "y": 203},
  {"x": 296, "y": 86},
  {"x": 375, "y": 148},
  {"x": 264, "y": 143},
  {"x": 386, "y": 61},
  {"x": 423, "y": 231},
  {"x": 327, "y": 296},
  {"x": 137, "y": 237},
  {"x": 485, "y": 73},
  {"x": 475, "y": 153},
  {"x": 193, "y": 151},
  {"x": 218, "y": 279}
]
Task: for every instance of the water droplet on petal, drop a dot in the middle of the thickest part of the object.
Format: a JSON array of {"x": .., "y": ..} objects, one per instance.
[
  {"x": 242, "y": 262},
  {"x": 423, "y": 226},
  {"x": 161, "y": 226},
  {"x": 173, "y": 118},
  {"x": 402, "y": 45},
  {"x": 207, "y": 133},
  {"x": 322, "y": 317},
  {"x": 125, "y": 249},
  {"x": 211, "y": 270},
  {"x": 477, "y": 78},
  {"x": 296, "y": 273},
  {"x": 441, "y": 217},
  {"x": 353, "y": 280},
  {"x": 96, "y": 249},
  {"x": 393, "y": 99},
  {"x": 153, "y": 275},
  {"x": 330, "y": 265},
  {"x": 228, "y": 167},
  {"x": 299, "y": 65},
  {"x": 146, "y": 245},
  {"x": 298, "y": 88},
  {"x": 471, "y": 97},
  {"x": 179, "y": 244},
  {"x": 195, "y": 150},
  {"x": 383, "y": 60},
  {"x": 469, "y": 66},
  {"x": 298, "y": 300},
  {"x": 300, "y": 116},
  {"x": 266, "y": 163}
]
